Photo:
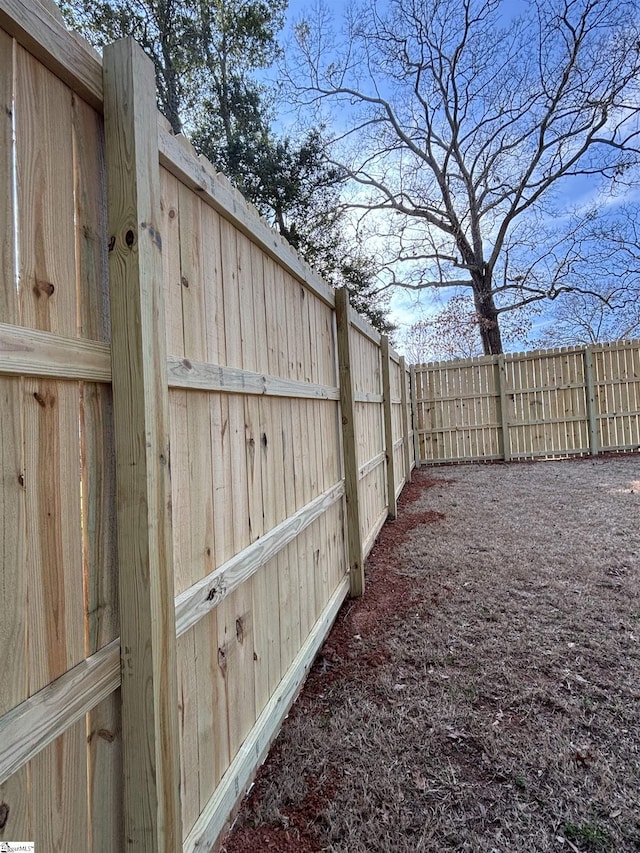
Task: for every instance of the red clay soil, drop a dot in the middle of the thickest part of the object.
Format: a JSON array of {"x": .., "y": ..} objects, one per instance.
[{"x": 389, "y": 597}]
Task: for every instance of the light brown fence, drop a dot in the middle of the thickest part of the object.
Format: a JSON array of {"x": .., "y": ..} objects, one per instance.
[
  {"x": 199, "y": 443},
  {"x": 560, "y": 402}
]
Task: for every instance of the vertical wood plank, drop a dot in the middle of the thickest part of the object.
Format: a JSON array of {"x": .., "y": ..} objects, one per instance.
[
  {"x": 147, "y": 610},
  {"x": 104, "y": 724},
  {"x": 504, "y": 414},
  {"x": 590, "y": 395},
  {"x": 213, "y": 726},
  {"x": 413, "y": 390},
  {"x": 9, "y": 307},
  {"x": 195, "y": 649},
  {"x": 54, "y": 558},
  {"x": 388, "y": 427},
  {"x": 235, "y": 614},
  {"x": 13, "y": 582},
  {"x": 405, "y": 419},
  {"x": 354, "y": 539}
]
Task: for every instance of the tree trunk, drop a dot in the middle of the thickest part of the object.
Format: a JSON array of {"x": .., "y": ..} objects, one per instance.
[{"x": 488, "y": 324}]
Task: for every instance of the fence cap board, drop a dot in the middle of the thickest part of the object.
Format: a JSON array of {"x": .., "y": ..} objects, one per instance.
[
  {"x": 633, "y": 343},
  {"x": 197, "y": 173},
  {"x": 603, "y": 346},
  {"x": 66, "y": 54},
  {"x": 364, "y": 327}
]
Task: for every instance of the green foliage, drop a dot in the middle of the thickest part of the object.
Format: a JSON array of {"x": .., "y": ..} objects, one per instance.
[
  {"x": 206, "y": 53},
  {"x": 591, "y": 835},
  {"x": 294, "y": 187}
]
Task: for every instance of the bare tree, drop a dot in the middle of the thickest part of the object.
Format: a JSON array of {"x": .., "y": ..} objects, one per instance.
[
  {"x": 464, "y": 128},
  {"x": 584, "y": 319},
  {"x": 452, "y": 332},
  {"x": 605, "y": 260}
]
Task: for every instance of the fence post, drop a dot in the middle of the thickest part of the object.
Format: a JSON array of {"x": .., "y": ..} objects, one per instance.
[
  {"x": 590, "y": 394},
  {"x": 141, "y": 414},
  {"x": 405, "y": 419},
  {"x": 349, "y": 449},
  {"x": 504, "y": 420},
  {"x": 414, "y": 415},
  {"x": 388, "y": 426}
]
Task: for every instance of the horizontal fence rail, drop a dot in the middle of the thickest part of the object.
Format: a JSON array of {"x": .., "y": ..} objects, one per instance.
[
  {"x": 560, "y": 402},
  {"x": 199, "y": 443}
]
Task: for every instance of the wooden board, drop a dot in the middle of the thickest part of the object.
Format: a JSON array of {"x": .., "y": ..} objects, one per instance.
[
  {"x": 13, "y": 587},
  {"x": 547, "y": 403},
  {"x": 350, "y": 450},
  {"x": 388, "y": 427},
  {"x": 48, "y": 302},
  {"x": 69, "y": 57},
  {"x": 141, "y": 411},
  {"x": 98, "y": 474},
  {"x": 213, "y": 728}
]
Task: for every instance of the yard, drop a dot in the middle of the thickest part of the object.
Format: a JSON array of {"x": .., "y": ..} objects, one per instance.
[{"x": 484, "y": 695}]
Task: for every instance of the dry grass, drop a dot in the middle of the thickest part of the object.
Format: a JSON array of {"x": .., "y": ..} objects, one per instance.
[{"x": 492, "y": 704}]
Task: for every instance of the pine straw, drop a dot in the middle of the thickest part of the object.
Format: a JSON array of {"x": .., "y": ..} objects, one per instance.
[{"x": 484, "y": 695}]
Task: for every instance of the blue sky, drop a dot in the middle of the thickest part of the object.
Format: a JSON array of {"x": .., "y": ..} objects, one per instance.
[{"x": 407, "y": 307}]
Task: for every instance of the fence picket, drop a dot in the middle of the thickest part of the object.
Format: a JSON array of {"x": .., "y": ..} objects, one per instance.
[
  {"x": 147, "y": 615},
  {"x": 542, "y": 404}
]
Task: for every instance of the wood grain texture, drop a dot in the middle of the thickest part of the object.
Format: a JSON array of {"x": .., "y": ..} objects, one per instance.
[
  {"x": 194, "y": 603},
  {"x": 354, "y": 541},
  {"x": 104, "y": 722},
  {"x": 182, "y": 528},
  {"x": 201, "y": 770},
  {"x": 200, "y": 176},
  {"x": 49, "y": 303},
  {"x": 147, "y": 613},
  {"x": 38, "y": 721},
  {"x": 235, "y": 615},
  {"x": 364, "y": 327},
  {"x": 13, "y": 577},
  {"x": 406, "y": 437},
  {"x": 29, "y": 352},
  {"x": 9, "y": 306},
  {"x": 191, "y": 374},
  {"x": 68, "y": 56},
  {"x": 253, "y": 751},
  {"x": 372, "y": 535},
  {"x": 388, "y": 427},
  {"x": 371, "y": 441},
  {"x": 213, "y": 724},
  {"x": 371, "y": 464}
]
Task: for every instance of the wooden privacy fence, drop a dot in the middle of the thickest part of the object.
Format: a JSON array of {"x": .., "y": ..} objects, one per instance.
[
  {"x": 199, "y": 440},
  {"x": 557, "y": 402}
]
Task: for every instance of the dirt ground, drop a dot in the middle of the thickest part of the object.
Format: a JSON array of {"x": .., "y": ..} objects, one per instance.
[{"x": 484, "y": 696}]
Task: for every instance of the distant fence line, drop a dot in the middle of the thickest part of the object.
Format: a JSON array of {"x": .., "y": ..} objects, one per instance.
[
  {"x": 200, "y": 441},
  {"x": 548, "y": 403}
]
